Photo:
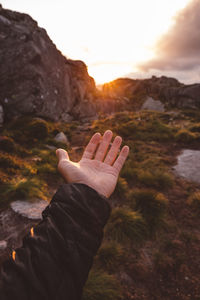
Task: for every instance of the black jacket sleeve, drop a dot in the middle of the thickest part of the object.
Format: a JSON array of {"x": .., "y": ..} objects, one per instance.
[{"x": 55, "y": 259}]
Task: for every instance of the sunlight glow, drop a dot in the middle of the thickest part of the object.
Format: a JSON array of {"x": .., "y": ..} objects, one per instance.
[{"x": 111, "y": 37}]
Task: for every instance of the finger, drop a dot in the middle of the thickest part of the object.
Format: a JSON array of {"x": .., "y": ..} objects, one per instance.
[
  {"x": 112, "y": 154},
  {"x": 62, "y": 154},
  {"x": 118, "y": 164},
  {"x": 101, "y": 151},
  {"x": 92, "y": 145}
]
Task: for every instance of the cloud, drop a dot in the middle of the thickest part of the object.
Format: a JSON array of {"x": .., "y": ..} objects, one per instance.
[{"x": 179, "y": 48}]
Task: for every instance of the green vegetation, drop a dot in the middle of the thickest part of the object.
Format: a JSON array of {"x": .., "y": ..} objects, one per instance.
[
  {"x": 25, "y": 189},
  {"x": 121, "y": 188},
  {"x": 185, "y": 136},
  {"x": 126, "y": 225},
  {"x": 38, "y": 128},
  {"x": 151, "y": 205},
  {"x": 7, "y": 144},
  {"x": 100, "y": 286},
  {"x": 194, "y": 201},
  {"x": 195, "y": 127},
  {"x": 110, "y": 254},
  {"x": 157, "y": 179},
  {"x": 144, "y": 228}
]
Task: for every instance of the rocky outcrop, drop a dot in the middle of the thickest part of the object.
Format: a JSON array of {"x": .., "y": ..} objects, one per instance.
[
  {"x": 168, "y": 90},
  {"x": 35, "y": 78}
]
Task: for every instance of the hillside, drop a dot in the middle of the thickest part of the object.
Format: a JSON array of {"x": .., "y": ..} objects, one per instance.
[{"x": 151, "y": 244}]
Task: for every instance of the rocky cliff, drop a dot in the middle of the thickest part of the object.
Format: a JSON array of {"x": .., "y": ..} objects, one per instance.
[
  {"x": 35, "y": 78},
  {"x": 168, "y": 90}
]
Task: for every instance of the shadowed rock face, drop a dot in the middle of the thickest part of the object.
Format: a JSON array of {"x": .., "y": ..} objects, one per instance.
[{"x": 35, "y": 78}]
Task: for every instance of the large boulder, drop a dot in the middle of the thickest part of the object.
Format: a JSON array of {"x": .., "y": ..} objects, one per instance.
[{"x": 35, "y": 78}]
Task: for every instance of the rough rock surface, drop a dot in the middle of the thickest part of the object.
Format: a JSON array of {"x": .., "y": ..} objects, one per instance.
[
  {"x": 189, "y": 165},
  {"x": 35, "y": 78},
  {"x": 62, "y": 138},
  {"x": 169, "y": 90},
  {"x": 31, "y": 210}
]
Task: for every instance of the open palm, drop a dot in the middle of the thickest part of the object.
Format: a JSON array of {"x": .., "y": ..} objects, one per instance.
[{"x": 98, "y": 167}]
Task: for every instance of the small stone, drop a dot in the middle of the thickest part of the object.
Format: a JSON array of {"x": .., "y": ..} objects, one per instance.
[
  {"x": 61, "y": 138},
  {"x": 189, "y": 165},
  {"x": 151, "y": 104},
  {"x": 186, "y": 278},
  {"x": 3, "y": 245}
]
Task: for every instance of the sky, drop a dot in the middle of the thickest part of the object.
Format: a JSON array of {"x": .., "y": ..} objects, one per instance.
[{"x": 118, "y": 38}]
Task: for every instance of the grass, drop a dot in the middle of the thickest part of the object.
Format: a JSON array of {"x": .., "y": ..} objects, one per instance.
[
  {"x": 155, "y": 179},
  {"x": 195, "y": 127},
  {"x": 7, "y": 144},
  {"x": 121, "y": 188},
  {"x": 109, "y": 255},
  {"x": 25, "y": 189},
  {"x": 151, "y": 205},
  {"x": 100, "y": 286},
  {"x": 185, "y": 136},
  {"x": 140, "y": 207},
  {"x": 10, "y": 162},
  {"x": 126, "y": 225},
  {"x": 38, "y": 129},
  {"x": 194, "y": 201}
]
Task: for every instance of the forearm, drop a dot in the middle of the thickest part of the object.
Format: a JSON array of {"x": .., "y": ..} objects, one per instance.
[{"x": 55, "y": 261}]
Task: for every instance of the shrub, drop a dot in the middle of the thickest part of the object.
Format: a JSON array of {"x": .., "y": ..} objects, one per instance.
[
  {"x": 110, "y": 255},
  {"x": 38, "y": 129},
  {"x": 100, "y": 286},
  {"x": 156, "y": 179},
  {"x": 25, "y": 189},
  {"x": 185, "y": 136},
  {"x": 194, "y": 201},
  {"x": 150, "y": 204},
  {"x": 126, "y": 225},
  {"x": 7, "y": 144}
]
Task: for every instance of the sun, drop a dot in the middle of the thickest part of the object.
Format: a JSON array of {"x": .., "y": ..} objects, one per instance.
[{"x": 107, "y": 72}]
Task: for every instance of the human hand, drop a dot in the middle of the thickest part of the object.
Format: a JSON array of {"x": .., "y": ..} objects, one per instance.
[{"x": 102, "y": 171}]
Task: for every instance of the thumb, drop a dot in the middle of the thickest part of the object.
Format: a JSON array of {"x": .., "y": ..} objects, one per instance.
[{"x": 62, "y": 154}]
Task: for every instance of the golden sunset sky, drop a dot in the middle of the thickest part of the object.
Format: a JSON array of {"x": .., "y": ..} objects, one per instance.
[{"x": 112, "y": 37}]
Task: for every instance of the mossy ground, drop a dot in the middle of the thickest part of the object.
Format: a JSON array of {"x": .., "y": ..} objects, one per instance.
[{"x": 151, "y": 242}]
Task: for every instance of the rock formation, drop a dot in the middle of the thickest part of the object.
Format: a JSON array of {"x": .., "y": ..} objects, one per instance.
[
  {"x": 35, "y": 78},
  {"x": 168, "y": 90}
]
